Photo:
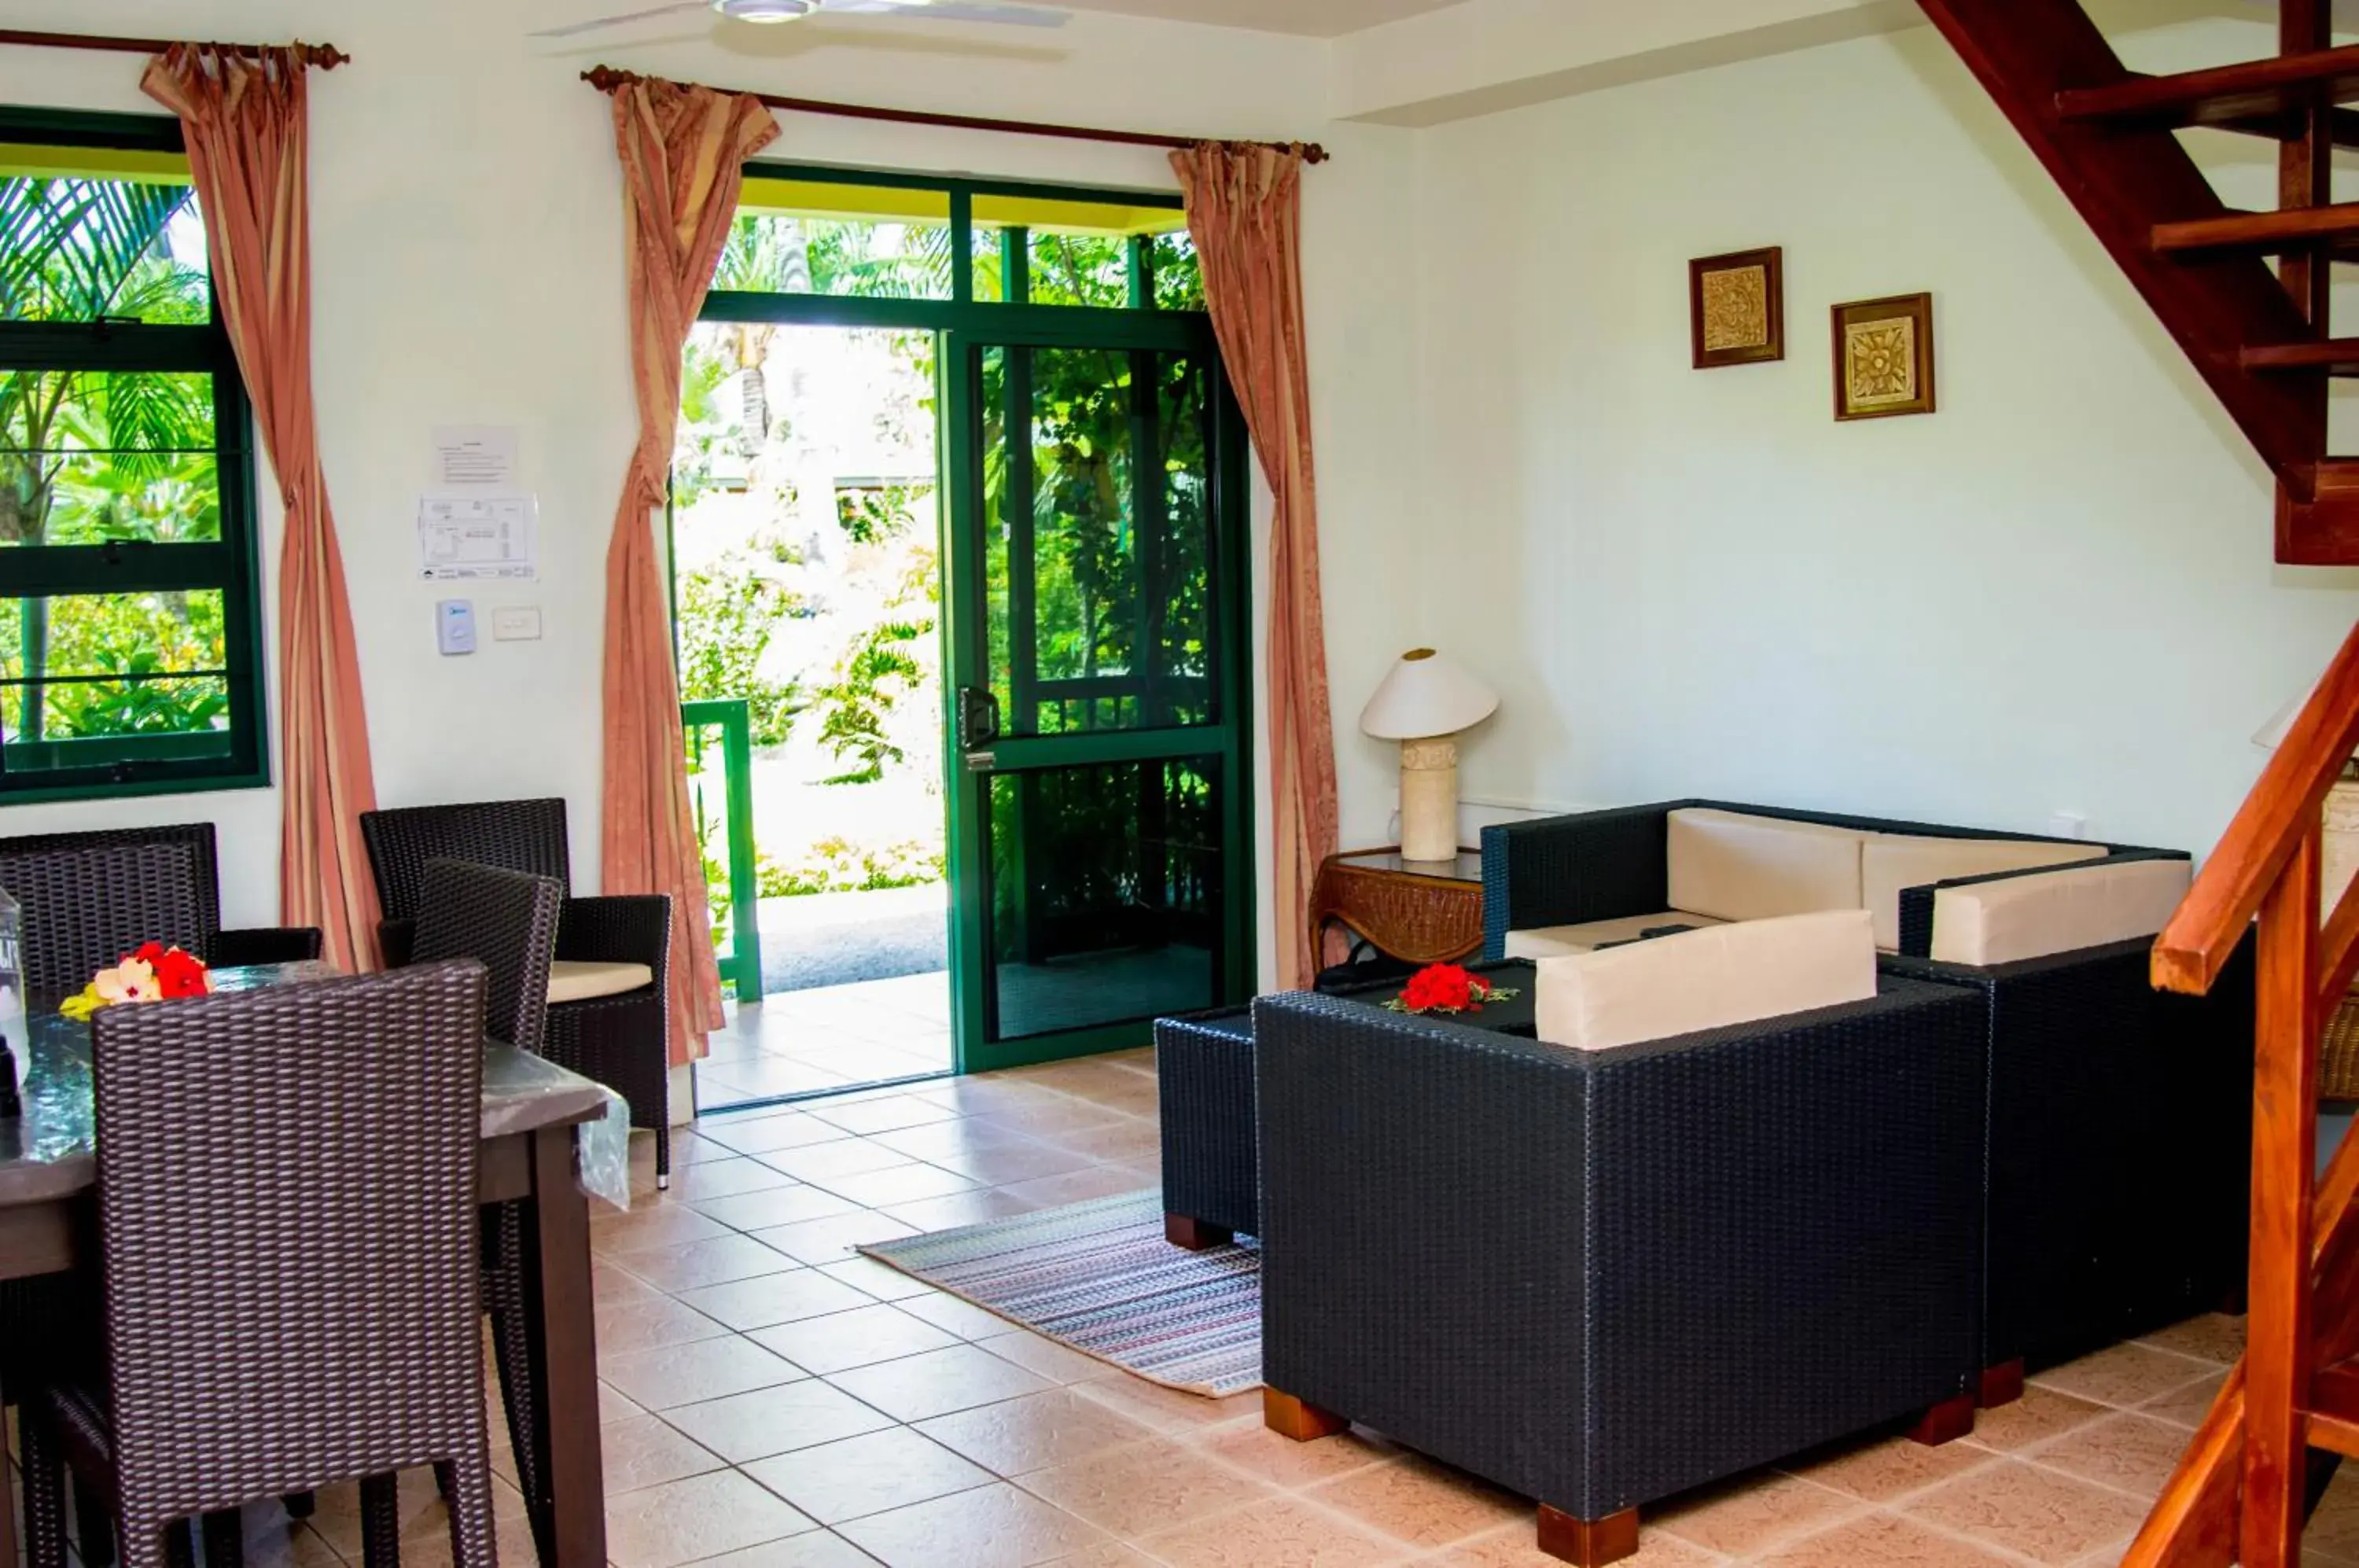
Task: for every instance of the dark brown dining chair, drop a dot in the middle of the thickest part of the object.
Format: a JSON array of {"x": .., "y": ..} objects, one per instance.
[
  {"x": 85, "y": 909},
  {"x": 237, "y": 1367},
  {"x": 220, "y": 948}
]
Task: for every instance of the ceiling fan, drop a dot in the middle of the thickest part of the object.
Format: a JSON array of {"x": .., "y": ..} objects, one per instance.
[{"x": 768, "y": 11}]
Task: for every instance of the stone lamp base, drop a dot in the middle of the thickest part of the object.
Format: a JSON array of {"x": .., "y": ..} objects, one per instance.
[{"x": 1429, "y": 799}]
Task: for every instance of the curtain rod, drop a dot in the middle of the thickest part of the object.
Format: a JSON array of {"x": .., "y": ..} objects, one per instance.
[
  {"x": 327, "y": 57},
  {"x": 607, "y": 79}
]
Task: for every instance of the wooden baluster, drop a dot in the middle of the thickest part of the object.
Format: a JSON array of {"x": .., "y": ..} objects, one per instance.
[{"x": 2285, "y": 1137}]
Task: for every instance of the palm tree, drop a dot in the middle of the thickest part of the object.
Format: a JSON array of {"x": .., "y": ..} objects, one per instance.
[{"x": 81, "y": 250}]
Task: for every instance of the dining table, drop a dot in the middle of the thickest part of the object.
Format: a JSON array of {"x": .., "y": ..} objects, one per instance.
[{"x": 549, "y": 1139}]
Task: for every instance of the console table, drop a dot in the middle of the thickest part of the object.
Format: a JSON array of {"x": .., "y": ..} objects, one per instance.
[{"x": 1421, "y": 911}]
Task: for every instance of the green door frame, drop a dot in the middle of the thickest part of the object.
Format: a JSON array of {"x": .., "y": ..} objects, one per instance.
[
  {"x": 742, "y": 964},
  {"x": 963, "y": 325}
]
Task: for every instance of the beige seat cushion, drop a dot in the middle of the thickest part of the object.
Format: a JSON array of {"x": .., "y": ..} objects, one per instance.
[
  {"x": 570, "y": 981},
  {"x": 1890, "y": 862},
  {"x": 2056, "y": 911},
  {"x": 1706, "y": 979},
  {"x": 1735, "y": 866},
  {"x": 1557, "y": 941}
]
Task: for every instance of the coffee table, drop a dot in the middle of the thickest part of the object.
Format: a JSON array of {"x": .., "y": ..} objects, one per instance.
[{"x": 1211, "y": 1163}]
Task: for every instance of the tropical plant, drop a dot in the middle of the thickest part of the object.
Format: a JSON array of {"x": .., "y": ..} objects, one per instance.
[
  {"x": 730, "y": 611},
  {"x": 91, "y": 250}
]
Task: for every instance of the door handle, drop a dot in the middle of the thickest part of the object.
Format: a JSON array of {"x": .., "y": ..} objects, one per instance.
[{"x": 978, "y": 718}]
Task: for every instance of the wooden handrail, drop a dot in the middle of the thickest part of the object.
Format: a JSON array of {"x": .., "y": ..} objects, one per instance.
[{"x": 2283, "y": 806}]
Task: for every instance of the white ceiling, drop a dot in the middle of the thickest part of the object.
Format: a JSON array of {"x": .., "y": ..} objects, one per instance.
[{"x": 1317, "y": 18}]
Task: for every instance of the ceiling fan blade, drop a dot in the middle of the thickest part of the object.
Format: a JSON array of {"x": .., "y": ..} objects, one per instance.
[
  {"x": 568, "y": 32},
  {"x": 950, "y": 11}
]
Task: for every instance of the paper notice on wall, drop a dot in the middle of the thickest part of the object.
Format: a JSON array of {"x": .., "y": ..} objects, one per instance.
[
  {"x": 476, "y": 537},
  {"x": 475, "y": 455}
]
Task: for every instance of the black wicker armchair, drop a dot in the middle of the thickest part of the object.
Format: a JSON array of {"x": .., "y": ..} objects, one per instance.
[
  {"x": 621, "y": 1038},
  {"x": 1598, "y": 1278},
  {"x": 222, "y": 949}
]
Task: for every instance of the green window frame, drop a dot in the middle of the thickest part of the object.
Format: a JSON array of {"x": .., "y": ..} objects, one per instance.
[{"x": 129, "y": 755}]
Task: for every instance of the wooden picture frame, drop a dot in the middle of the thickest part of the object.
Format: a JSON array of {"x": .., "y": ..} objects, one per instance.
[
  {"x": 1884, "y": 357},
  {"x": 1736, "y": 307}
]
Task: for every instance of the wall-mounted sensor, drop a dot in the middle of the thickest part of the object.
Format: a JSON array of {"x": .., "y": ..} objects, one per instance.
[{"x": 454, "y": 625}]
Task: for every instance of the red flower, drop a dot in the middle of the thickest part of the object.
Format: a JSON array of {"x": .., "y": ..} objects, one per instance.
[
  {"x": 179, "y": 974},
  {"x": 149, "y": 953},
  {"x": 1444, "y": 988}
]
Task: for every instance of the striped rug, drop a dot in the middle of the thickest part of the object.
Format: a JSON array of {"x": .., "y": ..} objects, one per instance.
[{"x": 1098, "y": 1277}]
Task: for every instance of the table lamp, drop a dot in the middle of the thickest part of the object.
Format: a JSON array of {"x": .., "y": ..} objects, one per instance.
[{"x": 1423, "y": 704}]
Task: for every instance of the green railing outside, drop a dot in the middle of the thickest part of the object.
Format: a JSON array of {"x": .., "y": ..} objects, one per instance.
[{"x": 741, "y": 963}]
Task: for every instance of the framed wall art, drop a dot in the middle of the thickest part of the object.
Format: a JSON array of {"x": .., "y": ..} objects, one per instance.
[
  {"x": 1884, "y": 357},
  {"x": 1736, "y": 307}
]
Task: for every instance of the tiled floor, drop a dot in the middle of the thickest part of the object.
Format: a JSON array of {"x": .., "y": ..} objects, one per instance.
[
  {"x": 800, "y": 1042},
  {"x": 774, "y": 1402}
]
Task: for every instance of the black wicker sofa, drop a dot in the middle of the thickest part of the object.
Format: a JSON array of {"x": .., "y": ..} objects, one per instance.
[{"x": 1603, "y": 1278}]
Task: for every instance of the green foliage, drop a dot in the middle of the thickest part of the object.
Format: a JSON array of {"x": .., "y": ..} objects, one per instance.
[
  {"x": 869, "y": 515},
  {"x": 729, "y": 613},
  {"x": 880, "y": 670},
  {"x": 835, "y": 865}
]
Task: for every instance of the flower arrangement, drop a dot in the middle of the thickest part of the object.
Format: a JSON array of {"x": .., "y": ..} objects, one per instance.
[
  {"x": 152, "y": 973},
  {"x": 1448, "y": 988}
]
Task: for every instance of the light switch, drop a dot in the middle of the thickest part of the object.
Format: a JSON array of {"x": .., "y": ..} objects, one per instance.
[
  {"x": 517, "y": 622},
  {"x": 454, "y": 626}
]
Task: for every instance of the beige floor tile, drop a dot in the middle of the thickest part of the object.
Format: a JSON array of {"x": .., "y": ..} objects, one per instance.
[
  {"x": 651, "y": 1325},
  {"x": 665, "y": 1225},
  {"x": 1287, "y": 1464},
  {"x": 1755, "y": 1514},
  {"x": 1420, "y": 1503},
  {"x": 899, "y": 1184},
  {"x": 2334, "y": 1528},
  {"x": 614, "y": 1405},
  {"x": 2188, "y": 1406},
  {"x": 847, "y": 1155},
  {"x": 882, "y": 1280},
  {"x": 1125, "y": 1143},
  {"x": 1152, "y": 1486},
  {"x": 612, "y": 1285},
  {"x": 764, "y": 1137},
  {"x": 1168, "y": 1409},
  {"x": 1282, "y": 1530},
  {"x": 887, "y": 1115},
  {"x": 817, "y": 1549},
  {"x": 951, "y": 1315},
  {"x": 841, "y": 1341},
  {"x": 1115, "y": 1555},
  {"x": 1077, "y": 1186},
  {"x": 716, "y": 1262},
  {"x": 2214, "y": 1336},
  {"x": 939, "y": 1383},
  {"x": 776, "y": 1206},
  {"x": 1517, "y": 1547},
  {"x": 2132, "y": 1453},
  {"x": 686, "y": 1374},
  {"x": 1888, "y": 1467},
  {"x": 2046, "y": 1517},
  {"x": 991, "y": 1527},
  {"x": 703, "y": 1515},
  {"x": 723, "y": 1179},
  {"x": 775, "y": 1298},
  {"x": 647, "y": 1452},
  {"x": 2126, "y": 1375},
  {"x": 973, "y": 1206},
  {"x": 2039, "y": 1415},
  {"x": 1019, "y": 1436},
  {"x": 766, "y": 1422},
  {"x": 1882, "y": 1541},
  {"x": 857, "y": 1476},
  {"x": 1014, "y": 1159},
  {"x": 832, "y": 1240},
  {"x": 1037, "y": 1353}
]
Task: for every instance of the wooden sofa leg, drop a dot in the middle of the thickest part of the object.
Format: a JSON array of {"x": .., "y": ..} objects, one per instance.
[
  {"x": 1290, "y": 1417},
  {"x": 1195, "y": 1234},
  {"x": 2000, "y": 1385},
  {"x": 1945, "y": 1422},
  {"x": 1589, "y": 1543}
]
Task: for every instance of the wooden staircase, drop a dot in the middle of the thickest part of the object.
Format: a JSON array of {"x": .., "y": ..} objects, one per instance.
[{"x": 2260, "y": 334}]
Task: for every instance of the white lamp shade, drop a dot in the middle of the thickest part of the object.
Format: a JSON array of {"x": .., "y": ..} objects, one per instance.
[{"x": 1425, "y": 695}]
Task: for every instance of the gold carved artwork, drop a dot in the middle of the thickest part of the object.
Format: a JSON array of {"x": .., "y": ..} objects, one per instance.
[
  {"x": 1884, "y": 357},
  {"x": 1736, "y": 307}
]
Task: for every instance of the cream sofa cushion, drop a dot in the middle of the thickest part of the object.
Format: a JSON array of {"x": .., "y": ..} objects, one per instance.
[
  {"x": 2056, "y": 911},
  {"x": 1735, "y": 866},
  {"x": 1890, "y": 862},
  {"x": 1706, "y": 979},
  {"x": 1558, "y": 942},
  {"x": 575, "y": 982}
]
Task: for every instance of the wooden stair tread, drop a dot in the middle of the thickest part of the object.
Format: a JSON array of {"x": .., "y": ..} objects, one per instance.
[
  {"x": 2338, "y": 356},
  {"x": 2259, "y": 233},
  {"x": 2220, "y": 95}
]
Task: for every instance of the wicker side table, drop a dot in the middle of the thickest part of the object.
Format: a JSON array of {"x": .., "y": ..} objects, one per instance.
[{"x": 1420, "y": 911}]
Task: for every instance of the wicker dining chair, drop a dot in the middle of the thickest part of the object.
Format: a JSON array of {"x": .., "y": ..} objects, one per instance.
[
  {"x": 620, "y": 1037},
  {"x": 85, "y": 909},
  {"x": 220, "y": 948},
  {"x": 344, "y": 1112}
]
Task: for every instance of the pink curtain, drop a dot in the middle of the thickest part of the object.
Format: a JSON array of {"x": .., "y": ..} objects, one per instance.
[
  {"x": 1245, "y": 212},
  {"x": 683, "y": 151},
  {"x": 246, "y": 122}
]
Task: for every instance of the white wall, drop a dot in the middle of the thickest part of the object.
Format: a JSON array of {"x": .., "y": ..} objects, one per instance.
[
  {"x": 468, "y": 269},
  {"x": 2055, "y": 594}
]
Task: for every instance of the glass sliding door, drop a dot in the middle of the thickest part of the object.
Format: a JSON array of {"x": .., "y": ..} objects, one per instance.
[{"x": 1100, "y": 815}]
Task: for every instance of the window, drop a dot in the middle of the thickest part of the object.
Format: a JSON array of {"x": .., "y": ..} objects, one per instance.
[{"x": 129, "y": 660}]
